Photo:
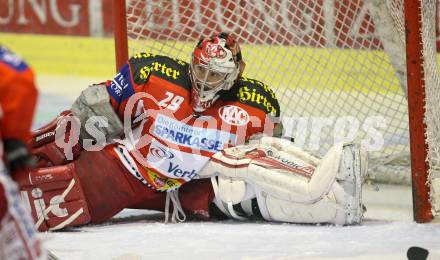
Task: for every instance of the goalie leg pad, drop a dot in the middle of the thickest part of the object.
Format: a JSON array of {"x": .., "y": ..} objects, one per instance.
[
  {"x": 285, "y": 190},
  {"x": 322, "y": 211},
  {"x": 287, "y": 147},
  {"x": 326, "y": 210},
  {"x": 277, "y": 172},
  {"x": 342, "y": 205},
  {"x": 351, "y": 173}
]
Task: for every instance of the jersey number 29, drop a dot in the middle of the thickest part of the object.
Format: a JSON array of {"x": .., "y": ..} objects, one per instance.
[{"x": 171, "y": 101}]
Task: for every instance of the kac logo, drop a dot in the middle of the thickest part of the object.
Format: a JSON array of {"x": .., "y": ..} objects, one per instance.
[
  {"x": 214, "y": 50},
  {"x": 234, "y": 115}
]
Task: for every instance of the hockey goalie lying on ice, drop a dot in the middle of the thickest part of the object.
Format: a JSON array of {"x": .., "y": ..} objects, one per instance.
[{"x": 183, "y": 138}]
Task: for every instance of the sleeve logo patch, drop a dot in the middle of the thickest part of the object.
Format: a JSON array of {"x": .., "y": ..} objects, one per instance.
[
  {"x": 234, "y": 115},
  {"x": 119, "y": 84},
  {"x": 12, "y": 60}
]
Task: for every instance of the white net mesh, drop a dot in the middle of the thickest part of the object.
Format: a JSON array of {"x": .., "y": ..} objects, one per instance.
[
  {"x": 432, "y": 91},
  {"x": 338, "y": 66}
]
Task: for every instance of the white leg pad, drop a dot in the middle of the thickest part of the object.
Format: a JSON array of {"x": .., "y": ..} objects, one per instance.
[
  {"x": 294, "y": 187},
  {"x": 286, "y": 146},
  {"x": 284, "y": 184},
  {"x": 231, "y": 190},
  {"x": 287, "y": 185},
  {"x": 329, "y": 209}
]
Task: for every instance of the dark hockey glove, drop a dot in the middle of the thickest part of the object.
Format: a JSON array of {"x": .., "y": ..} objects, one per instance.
[{"x": 17, "y": 155}]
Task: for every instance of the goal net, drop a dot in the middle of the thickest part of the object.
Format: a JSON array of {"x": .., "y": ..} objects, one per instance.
[{"x": 338, "y": 67}]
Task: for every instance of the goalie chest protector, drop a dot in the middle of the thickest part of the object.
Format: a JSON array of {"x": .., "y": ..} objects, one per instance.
[{"x": 173, "y": 143}]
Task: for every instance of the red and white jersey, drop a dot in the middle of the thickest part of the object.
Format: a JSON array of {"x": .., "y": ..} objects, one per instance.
[
  {"x": 171, "y": 143},
  {"x": 18, "y": 97}
]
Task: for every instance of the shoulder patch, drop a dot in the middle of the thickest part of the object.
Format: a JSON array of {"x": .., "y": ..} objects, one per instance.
[
  {"x": 143, "y": 65},
  {"x": 12, "y": 60},
  {"x": 120, "y": 87},
  {"x": 256, "y": 94}
]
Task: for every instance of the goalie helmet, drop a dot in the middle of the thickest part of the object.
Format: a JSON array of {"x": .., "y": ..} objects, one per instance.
[{"x": 215, "y": 65}]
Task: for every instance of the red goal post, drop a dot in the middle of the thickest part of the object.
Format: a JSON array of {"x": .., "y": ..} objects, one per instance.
[
  {"x": 336, "y": 65},
  {"x": 120, "y": 30},
  {"x": 422, "y": 81}
]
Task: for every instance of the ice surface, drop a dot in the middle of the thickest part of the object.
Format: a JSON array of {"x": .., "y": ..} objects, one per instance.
[{"x": 387, "y": 233}]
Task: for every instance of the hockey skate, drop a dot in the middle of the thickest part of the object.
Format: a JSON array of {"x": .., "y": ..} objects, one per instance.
[{"x": 352, "y": 171}]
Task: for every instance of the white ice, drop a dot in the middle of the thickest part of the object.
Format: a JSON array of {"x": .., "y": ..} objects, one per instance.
[{"x": 387, "y": 233}]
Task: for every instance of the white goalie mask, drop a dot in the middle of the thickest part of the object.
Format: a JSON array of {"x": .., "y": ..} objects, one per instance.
[{"x": 214, "y": 67}]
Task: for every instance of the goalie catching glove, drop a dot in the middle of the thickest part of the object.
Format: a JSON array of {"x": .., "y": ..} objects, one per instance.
[{"x": 289, "y": 184}]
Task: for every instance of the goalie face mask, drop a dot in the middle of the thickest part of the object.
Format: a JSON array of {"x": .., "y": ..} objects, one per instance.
[{"x": 213, "y": 68}]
